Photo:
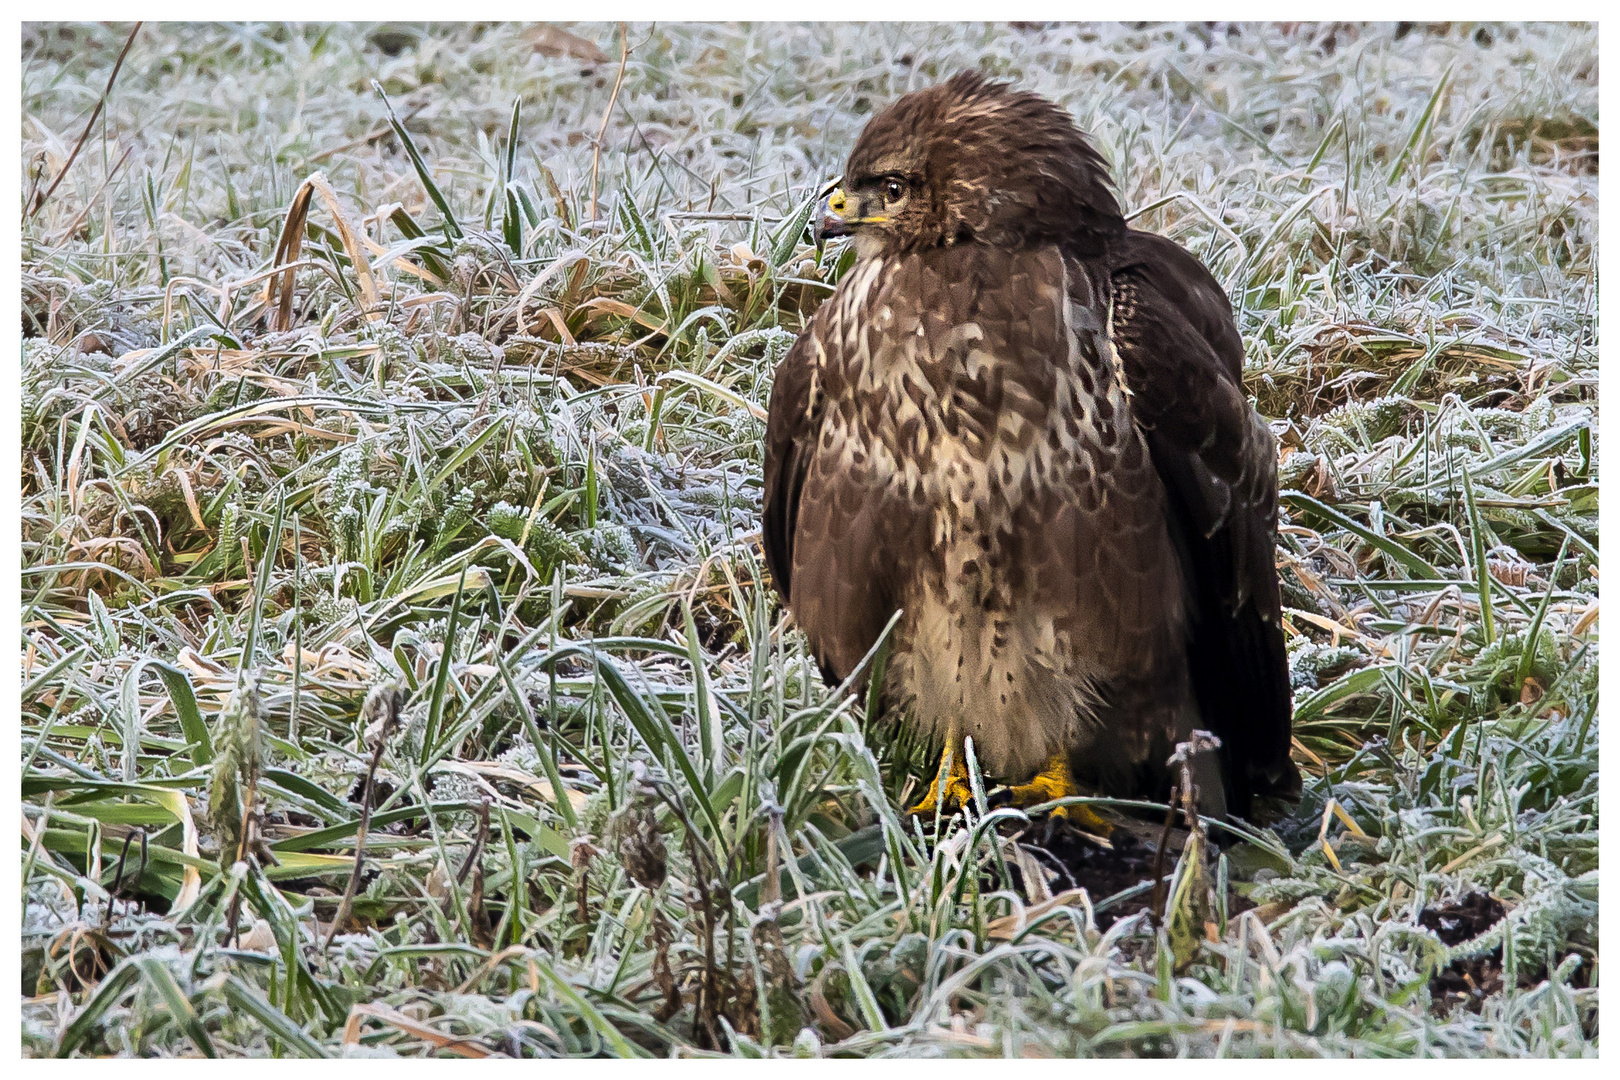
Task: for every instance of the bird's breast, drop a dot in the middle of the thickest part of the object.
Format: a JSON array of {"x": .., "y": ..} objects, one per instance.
[{"x": 968, "y": 399}]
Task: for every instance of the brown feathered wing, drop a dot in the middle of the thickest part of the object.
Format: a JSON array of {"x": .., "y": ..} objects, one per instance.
[
  {"x": 1183, "y": 360},
  {"x": 839, "y": 596}
]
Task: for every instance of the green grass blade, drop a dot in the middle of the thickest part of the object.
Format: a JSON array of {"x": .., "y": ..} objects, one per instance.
[
  {"x": 279, "y": 1024},
  {"x": 431, "y": 255},
  {"x": 654, "y": 728},
  {"x": 711, "y": 739},
  {"x": 1532, "y": 638},
  {"x": 158, "y": 976},
  {"x": 451, "y": 226},
  {"x": 261, "y": 583},
  {"x": 1418, "y": 129},
  {"x": 184, "y": 699},
  {"x": 1394, "y": 550},
  {"x": 512, "y": 221},
  {"x": 620, "y": 1046},
  {"x": 635, "y": 226},
  {"x": 441, "y": 679},
  {"x": 787, "y": 238},
  {"x": 1482, "y": 570},
  {"x": 512, "y": 127},
  {"x": 466, "y": 453},
  {"x": 544, "y": 748},
  {"x": 112, "y": 988}
]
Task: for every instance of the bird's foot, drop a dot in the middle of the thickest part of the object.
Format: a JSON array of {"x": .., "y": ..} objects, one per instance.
[
  {"x": 947, "y": 793},
  {"x": 1054, "y": 782}
]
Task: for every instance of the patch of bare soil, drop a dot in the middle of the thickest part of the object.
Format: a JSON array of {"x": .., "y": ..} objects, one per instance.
[
  {"x": 1470, "y": 980},
  {"x": 1118, "y": 873},
  {"x": 1127, "y": 863}
]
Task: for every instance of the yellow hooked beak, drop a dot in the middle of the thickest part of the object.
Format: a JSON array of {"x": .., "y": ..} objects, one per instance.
[{"x": 838, "y": 216}]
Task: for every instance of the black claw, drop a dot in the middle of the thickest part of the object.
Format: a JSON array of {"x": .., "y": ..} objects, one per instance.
[{"x": 1054, "y": 823}]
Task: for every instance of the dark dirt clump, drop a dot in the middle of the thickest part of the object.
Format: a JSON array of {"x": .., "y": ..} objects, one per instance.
[
  {"x": 1471, "y": 979},
  {"x": 1104, "y": 872}
]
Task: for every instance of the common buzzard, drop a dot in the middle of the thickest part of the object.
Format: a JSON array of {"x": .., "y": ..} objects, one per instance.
[{"x": 1022, "y": 423}]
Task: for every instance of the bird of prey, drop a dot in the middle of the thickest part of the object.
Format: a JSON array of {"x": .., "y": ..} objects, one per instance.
[{"x": 1021, "y": 423}]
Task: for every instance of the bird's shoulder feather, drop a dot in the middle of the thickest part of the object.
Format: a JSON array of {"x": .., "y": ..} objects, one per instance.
[{"x": 1183, "y": 358}]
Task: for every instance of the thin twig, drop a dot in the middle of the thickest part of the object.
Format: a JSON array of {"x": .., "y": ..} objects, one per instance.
[
  {"x": 477, "y": 924},
  {"x": 118, "y": 878},
  {"x": 1155, "y": 905},
  {"x": 85, "y": 134},
  {"x": 90, "y": 203},
  {"x": 702, "y": 215},
  {"x": 478, "y": 842},
  {"x": 387, "y": 700},
  {"x": 596, "y": 153},
  {"x": 359, "y": 846}
]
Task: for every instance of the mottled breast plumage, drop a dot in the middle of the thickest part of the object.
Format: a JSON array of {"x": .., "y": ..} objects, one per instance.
[{"x": 971, "y": 394}]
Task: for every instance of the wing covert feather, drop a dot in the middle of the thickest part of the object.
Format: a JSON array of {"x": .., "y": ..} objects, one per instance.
[
  {"x": 789, "y": 426},
  {"x": 828, "y": 540},
  {"x": 1183, "y": 358}
]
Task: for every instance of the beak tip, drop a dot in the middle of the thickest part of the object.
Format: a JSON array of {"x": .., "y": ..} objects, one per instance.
[{"x": 829, "y": 226}]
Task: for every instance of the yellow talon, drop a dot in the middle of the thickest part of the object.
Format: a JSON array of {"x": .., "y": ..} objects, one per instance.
[
  {"x": 1054, "y": 782},
  {"x": 958, "y": 791}
]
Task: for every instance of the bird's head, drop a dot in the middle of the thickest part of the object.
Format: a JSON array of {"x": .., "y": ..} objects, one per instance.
[{"x": 971, "y": 160}]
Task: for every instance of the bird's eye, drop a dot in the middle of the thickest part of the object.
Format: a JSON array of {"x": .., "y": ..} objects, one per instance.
[{"x": 893, "y": 189}]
